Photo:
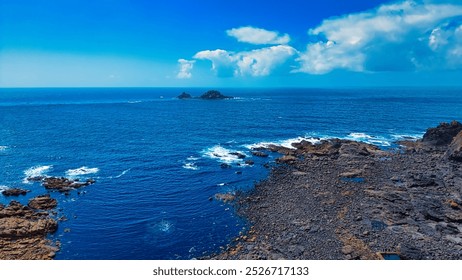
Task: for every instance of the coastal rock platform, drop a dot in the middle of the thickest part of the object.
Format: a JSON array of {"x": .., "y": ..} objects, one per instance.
[{"x": 342, "y": 199}]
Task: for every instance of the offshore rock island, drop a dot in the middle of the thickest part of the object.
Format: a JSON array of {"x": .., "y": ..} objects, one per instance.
[
  {"x": 209, "y": 95},
  {"x": 341, "y": 199}
]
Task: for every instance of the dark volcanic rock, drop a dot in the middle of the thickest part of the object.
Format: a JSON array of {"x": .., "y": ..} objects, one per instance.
[
  {"x": 409, "y": 204},
  {"x": 42, "y": 202},
  {"x": 184, "y": 95},
  {"x": 259, "y": 154},
  {"x": 455, "y": 149},
  {"x": 443, "y": 134},
  {"x": 14, "y": 192},
  {"x": 214, "y": 95}
]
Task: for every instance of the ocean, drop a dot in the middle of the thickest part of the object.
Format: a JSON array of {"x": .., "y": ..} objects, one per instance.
[{"x": 158, "y": 160}]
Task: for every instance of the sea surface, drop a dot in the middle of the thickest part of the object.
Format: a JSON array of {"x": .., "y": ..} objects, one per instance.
[{"x": 157, "y": 160}]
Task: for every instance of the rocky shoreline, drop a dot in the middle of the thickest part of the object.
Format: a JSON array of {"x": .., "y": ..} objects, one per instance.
[
  {"x": 24, "y": 229},
  {"x": 341, "y": 199}
]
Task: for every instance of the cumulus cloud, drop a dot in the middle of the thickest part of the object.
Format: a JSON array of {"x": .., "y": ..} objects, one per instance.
[
  {"x": 403, "y": 36},
  {"x": 258, "y": 36},
  {"x": 185, "y": 68},
  {"x": 258, "y": 62}
]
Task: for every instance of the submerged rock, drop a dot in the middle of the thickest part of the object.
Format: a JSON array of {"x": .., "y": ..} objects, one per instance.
[{"x": 14, "y": 192}]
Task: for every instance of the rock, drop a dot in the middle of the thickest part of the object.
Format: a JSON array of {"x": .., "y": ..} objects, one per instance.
[
  {"x": 214, "y": 95},
  {"x": 225, "y": 165},
  {"x": 62, "y": 184},
  {"x": 455, "y": 149},
  {"x": 225, "y": 197},
  {"x": 259, "y": 154},
  {"x": 352, "y": 174},
  {"x": 249, "y": 162},
  {"x": 184, "y": 95},
  {"x": 23, "y": 233},
  {"x": 14, "y": 192},
  {"x": 286, "y": 159},
  {"x": 443, "y": 134},
  {"x": 35, "y": 178},
  {"x": 238, "y": 155},
  {"x": 42, "y": 202},
  {"x": 346, "y": 250}
]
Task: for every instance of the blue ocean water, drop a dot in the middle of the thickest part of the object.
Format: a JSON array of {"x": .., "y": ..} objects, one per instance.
[{"x": 157, "y": 159}]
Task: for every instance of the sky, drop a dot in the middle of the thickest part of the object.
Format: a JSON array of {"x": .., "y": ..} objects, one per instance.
[{"x": 205, "y": 43}]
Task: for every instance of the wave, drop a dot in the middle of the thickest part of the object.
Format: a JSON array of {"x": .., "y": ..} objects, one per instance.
[
  {"x": 224, "y": 155},
  {"x": 3, "y": 188},
  {"x": 36, "y": 171},
  {"x": 366, "y": 138},
  {"x": 123, "y": 173},
  {"x": 3, "y": 148},
  {"x": 190, "y": 166},
  {"x": 82, "y": 171},
  {"x": 287, "y": 143}
]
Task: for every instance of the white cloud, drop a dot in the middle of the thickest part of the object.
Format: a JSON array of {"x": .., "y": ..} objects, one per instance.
[
  {"x": 185, "y": 68},
  {"x": 394, "y": 37},
  {"x": 258, "y": 36},
  {"x": 258, "y": 62}
]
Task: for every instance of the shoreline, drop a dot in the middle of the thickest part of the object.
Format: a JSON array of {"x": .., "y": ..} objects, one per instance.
[{"x": 342, "y": 199}]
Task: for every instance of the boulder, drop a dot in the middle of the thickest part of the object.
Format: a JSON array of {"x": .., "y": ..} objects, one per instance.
[
  {"x": 14, "y": 192},
  {"x": 214, "y": 95},
  {"x": 455, "y": 149},
  {"x": 259, "y": 154},
  {"x": 184, "y": 95},
  {"x": 286, "y": 159},
  {"x": 443, "y": 134}
]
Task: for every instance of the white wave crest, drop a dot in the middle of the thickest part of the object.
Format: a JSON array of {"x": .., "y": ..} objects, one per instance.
[
  {"x": 3, "y": 188},
  {"x": 190, "y": 166},
  {"x": 123, "y": 173},
  {"x": 287, "y": 143},
  {"x": 223, "y": 155},
  {"x": 36, "y": 171},
  {"x": 366, "y": 138},
  {"x": 3, "y": 148},
  {"x": 84, "y": 170}
]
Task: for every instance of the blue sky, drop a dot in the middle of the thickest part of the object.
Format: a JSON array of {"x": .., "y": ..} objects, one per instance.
[{"x": 302, "y": 43}]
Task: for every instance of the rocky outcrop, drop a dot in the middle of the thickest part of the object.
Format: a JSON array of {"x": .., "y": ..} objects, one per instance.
[
  {"x": 62, "y": 184},
  {"x": 442, "y": 134},
  {"x": 184, "y": 95},
  {"x": 408, "y": 203},
  {"x": 214, "y": 95},
  {"x": 455, "y": 149},
  {"x": 42, "y": 202},
  {"x": 23, "y": 233},
  {"x": 14, "y": 192}
]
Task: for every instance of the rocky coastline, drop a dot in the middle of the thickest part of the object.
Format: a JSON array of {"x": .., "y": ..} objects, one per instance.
[
  {"x": 341, "y": 199},
  {"x": 24, "y": 229}
]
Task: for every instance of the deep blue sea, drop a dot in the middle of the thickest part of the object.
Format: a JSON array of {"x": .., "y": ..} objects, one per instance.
[{"x": 157, "y": 159}]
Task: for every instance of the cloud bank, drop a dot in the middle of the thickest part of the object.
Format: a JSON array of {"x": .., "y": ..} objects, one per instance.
[{"x": 411, "y": 35}]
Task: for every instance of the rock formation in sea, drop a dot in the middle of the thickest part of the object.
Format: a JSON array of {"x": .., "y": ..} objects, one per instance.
[
  {"x": 184, "y": 95},
  {"x": 214, "y": 95},
  {"x": 342, "y": 199},
  {"x": 23, "y": 231}
]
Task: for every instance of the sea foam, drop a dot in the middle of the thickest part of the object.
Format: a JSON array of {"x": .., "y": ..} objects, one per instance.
[
  {"x": 3, "y": 148},
  {"x": 287, "y": 143},
  {"x": 223, "y": 154},
  {"x": 84, "y": 170},
  {"x": 36, "y": 171}
]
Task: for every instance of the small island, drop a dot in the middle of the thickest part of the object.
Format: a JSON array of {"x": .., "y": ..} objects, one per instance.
[{"x": 209, "y": 95}]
